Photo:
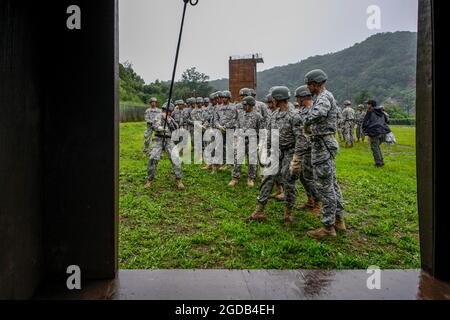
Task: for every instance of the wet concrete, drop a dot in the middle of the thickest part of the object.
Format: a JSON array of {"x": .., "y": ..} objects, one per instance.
[{"x": 255, "y": 285}]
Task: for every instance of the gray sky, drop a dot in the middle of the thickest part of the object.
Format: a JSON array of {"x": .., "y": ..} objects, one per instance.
[{"x": 284, "y": 31}]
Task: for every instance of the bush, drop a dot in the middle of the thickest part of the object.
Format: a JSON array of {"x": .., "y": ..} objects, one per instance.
[
  {"x": 403, "y": 122},
  {"x": 132, "y": 112}
]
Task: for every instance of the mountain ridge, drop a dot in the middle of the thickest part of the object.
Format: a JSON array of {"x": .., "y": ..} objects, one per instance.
[{"x": 384, "y": 65}]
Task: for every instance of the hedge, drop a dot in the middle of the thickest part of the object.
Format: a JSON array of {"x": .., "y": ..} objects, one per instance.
[
  {"x": 132, "y": 112},
  {"x": 403, "y": 122}
]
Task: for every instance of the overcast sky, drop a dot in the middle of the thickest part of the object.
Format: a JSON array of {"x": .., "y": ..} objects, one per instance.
[{"x": 284, "y": 31}]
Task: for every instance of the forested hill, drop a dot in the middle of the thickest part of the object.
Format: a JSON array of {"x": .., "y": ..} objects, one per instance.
[{"x": 384, "y": 65}]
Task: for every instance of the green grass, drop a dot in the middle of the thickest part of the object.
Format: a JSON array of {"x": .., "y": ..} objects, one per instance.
[{"x": 205, "y": 226}]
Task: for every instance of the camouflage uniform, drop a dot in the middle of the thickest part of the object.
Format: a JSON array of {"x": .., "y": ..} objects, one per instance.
[
  {"x": 247, "y": 121},
  {"x": 290, "y": 128},
  {"x": 321, "y": 122},
  {"x": 224, "y": 118},
  {"x": 348, "y": 120},
  {"x": 360, "y": 115},
  {"x": 168, "y": 146},
  {"x": 307, "y": 175},
  {"x": 340, "y": 124},
  {"x": 150, "y": 114}
]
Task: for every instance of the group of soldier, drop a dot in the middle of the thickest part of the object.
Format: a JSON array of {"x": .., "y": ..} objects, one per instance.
[
  {"x": 347, "y": 121},
  {"x": 307, "y": 143}
]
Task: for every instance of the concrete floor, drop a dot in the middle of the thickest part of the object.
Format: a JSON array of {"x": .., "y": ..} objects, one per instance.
[{"x": 254, "y": 285}]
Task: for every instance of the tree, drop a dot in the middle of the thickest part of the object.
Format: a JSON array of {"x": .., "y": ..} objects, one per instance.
[
  {"x": 193, "y": 83},
  {"x": 362, "y": 97}
]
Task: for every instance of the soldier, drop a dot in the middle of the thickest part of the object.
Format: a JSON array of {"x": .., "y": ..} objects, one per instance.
[
  {"x": 375, "y": 125},
  {"x": 289, "y": 127},
  {"x": 208, "y": 116},
  {"x": 225, "y": 119},
  {"x": 348, "y": 120},
  {"x": 304, "y": 99},
  {"x": 150, "y": 114},
  {"x": 360, "y": 115},
  {"x": 177, "y": 115},
  {"x": 321, "y": 122},
  {"x": 260, "y": 107},
  {"x": 206, "y": 103},
  {"x": 340, "y": 124},
  {"x": 270, "y": 105},
  {"x": 248, "y": 124},
  {"x": 271, "y": 108},
  {"x": 163, "y": 142},
  {"x": 187, "y": 120}
]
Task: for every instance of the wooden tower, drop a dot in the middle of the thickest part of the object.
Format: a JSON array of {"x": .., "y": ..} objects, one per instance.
[{"x": 243, "y": 73}]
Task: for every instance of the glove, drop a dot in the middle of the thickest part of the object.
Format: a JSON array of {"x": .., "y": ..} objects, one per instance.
[
  {"x": 222, "y": 129},
  {"x": 295, "y": 168}
]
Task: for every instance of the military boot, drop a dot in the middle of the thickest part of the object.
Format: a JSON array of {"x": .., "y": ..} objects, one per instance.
[
  {"x": 340, "y": 224},
  {"x": 316, "y": 210},
  {"x": 223, "y": 168},
  {"x": 214, "y": 168},
  {"x": 233, "y": 183},
  {"x": 278, "y": 190},
  {"x": 258, "y": 215},
  {"x": 322, "y": 232},
  {"x": 280, "y": 197},
  {"x": 148, "y": 185},
  {"x": 309, "y": 204},
  {"x": 250, "y": 183},
  {"x": 288, "y": 218},
  {"x": 207, "y": 167},
  {"x": 180, "y": 186}
]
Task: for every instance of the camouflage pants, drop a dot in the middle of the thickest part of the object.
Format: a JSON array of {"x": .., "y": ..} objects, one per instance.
[
  {"x": 340, "y": 131},
  {"x": 375, "y": 143},
  {"x": 155, "y": 157},
  {"x": 349, "y": 129},
  {"x": 237, "y": 167},
  {"x": 286, "y": 179},
  {"x": 147, "y": 136},
  {"x": 307, "y": 176},
  {"x": 324, "y": 151},
  {"x": 360, "y": 132}
]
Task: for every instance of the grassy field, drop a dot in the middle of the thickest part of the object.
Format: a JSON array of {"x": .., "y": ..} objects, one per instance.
[{"x": 205, "y": 226}]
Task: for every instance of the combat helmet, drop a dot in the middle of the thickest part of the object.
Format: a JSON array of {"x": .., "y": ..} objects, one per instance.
[
  {"x": 200, "y": 100},
  {"x": 302, "y": 92},
  {"x": 281, "y": 93},
  {"x": 317, "y": 76},
  {"x": 244, "y": 92},
  {"x": 248, "y": 101},
  {"x": 226, "y": 94}
]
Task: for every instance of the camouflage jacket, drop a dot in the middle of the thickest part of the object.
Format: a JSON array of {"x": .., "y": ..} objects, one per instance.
[
  {"x": 249, "y": 123},
  {"x": 197, "y": 115},
  {"x": 186, "y": 115},
  {"x": 290, "y": 128},
  {"x": 151, "y": 113},
  {"x": 348, "y": 114},
  {"x": 177, "y": 116},
  {"x": 208, "y": 116},
  {"x": 304, "y": 143},
  {"x": 225, "y": 116},
  {"x": 323, "y": 116},
  {"x": 360, "y": 115},
  {"x": 158, "y": 125}
]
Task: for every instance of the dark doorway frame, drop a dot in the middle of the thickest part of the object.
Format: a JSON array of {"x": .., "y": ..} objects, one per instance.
[{"x": 62, "y": 207}]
